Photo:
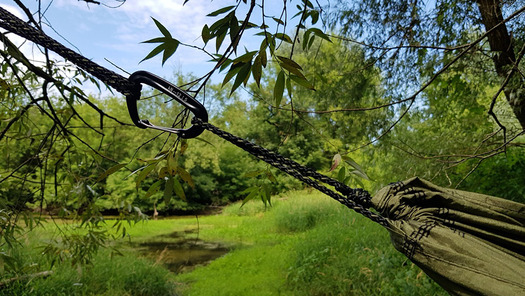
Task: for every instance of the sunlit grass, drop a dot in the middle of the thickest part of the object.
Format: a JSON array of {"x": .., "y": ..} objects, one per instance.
[{"x": 305, "y": 244}]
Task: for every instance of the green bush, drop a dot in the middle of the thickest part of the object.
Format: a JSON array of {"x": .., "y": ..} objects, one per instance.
[{"x": 300, "y": 212}]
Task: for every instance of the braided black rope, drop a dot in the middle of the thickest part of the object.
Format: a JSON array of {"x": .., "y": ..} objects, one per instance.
[
  {"x": 13, "y": 24},
  {"x": 355, "y": 199}
]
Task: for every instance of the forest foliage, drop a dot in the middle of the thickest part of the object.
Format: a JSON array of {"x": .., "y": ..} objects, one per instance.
[{"x": 429, "y": 102}]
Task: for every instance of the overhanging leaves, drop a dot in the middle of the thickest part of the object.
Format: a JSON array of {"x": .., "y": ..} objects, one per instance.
[
  {"x": 168, "y": 44},
  {"x": 110, "y": 171},
  {"x": 278, "y": 89},
  {"x": 221, "y": 11}
]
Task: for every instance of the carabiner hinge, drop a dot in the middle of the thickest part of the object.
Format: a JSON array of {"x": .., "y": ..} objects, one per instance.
[{"x": 167, "y": 88}]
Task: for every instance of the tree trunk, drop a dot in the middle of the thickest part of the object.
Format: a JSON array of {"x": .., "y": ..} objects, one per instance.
[{"x": 500, "y": 42}]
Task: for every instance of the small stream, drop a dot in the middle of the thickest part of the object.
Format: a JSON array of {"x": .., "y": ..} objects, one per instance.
[{"x": 179, "y": 252}]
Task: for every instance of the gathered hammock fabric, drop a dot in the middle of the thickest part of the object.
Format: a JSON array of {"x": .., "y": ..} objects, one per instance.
[{"x": 469, "y": 243}]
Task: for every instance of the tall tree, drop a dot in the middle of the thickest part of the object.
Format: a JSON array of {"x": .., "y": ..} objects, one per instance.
[{"x": 419, "y": 40}]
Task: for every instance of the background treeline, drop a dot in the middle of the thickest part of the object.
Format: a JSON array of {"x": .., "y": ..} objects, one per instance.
[{"x": 444, "y": 137}]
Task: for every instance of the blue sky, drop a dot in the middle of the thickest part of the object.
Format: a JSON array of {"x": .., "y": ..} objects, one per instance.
[{"x": 100, "y": 33}]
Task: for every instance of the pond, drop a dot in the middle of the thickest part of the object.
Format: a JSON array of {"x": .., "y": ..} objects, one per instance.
[{"x": 179, "y": 252}]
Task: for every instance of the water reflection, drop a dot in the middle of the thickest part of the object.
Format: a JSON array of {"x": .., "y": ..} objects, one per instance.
[{"x": 179, "y": 253}]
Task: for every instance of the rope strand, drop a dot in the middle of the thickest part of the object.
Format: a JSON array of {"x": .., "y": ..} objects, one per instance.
[{"x": 356, "y": 199}]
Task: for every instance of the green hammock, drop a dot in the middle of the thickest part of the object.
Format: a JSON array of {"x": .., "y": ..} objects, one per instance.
[{"x": 469, "y": 243}]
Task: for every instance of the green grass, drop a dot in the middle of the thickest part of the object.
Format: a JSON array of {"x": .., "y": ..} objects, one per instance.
[
  {"x": 306, "y": 244},
  {"x": 122, "y": 275}
]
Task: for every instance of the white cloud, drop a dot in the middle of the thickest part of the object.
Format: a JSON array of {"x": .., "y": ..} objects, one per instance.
[
  {"x": 184, "y": 22},
  {"x": 121, "y": 30}
]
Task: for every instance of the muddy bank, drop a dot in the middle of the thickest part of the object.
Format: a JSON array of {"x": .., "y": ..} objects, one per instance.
[{"x": 180, "y": 252}]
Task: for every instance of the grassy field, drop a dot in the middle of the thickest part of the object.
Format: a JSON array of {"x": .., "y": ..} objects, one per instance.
[{"x": 305, "y": 244}]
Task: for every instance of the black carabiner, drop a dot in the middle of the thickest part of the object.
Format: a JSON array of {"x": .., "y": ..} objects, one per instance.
[{"x": 174, "y": 92}]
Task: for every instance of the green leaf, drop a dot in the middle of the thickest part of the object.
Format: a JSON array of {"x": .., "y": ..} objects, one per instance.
[
  {"x": 164, "y": 172},
  {"x": 262, "y": 194},
  {"x": 306, "y": 37},
  {"x": 234, "y": 28},
  {"x": 206, "y": 34},
  {"x": 270, "y": 176},
  {"x": 279, "y": 21},
  {"x": 315, "y": 16},
  {"x": 169, "y": 50},
  {"x": 308, "y": 4},
  {"x": 245, "y": 58},
  {"x": 225, "y": 64},
  {"x": 251, "y": 25},
  {"x": 358, "y": 181},
  {"x": 155, "y": 40},
  {"x": 302, "y": 81},
  {"x": 243, "y": 74},
  {"x": 234, "y": 69},
  {"x": 291, "y": 66},
  {"x": 254, "y": 191},
  {"x": 289, "y": 62},
  {"x": 264, "y": 44},
  {"x": 257, "y": 70},
  {"x": 205, "y": 141},
  {"x": 341, "y": 175},
  {"x": 179, "y": 191},
  {"x": 289, "y": 85},
  {"x": 171, "y": 163},
  {"x": 154, "y": 52},
  {"x": 221, "y": 11},
  {"x": 168, "y": 190},
  {"x": 311, "y": 42},
  {"x": 144, "y": 173},
  {"x": 110, "y": 171},
  {"x": 183, "y": 146},
  {"x": 278, "y": 89},
  {"x": 153, "y": 189},
  {"x": 268, "y": 41},
  {"x": 254, "y": 173},
  {"x": 267, "y": 191},
  {"x": 220, "y": 26},
  {"x": 320, "y": 33},
  {"x": 162, "y": 29},
  {"x": 283, "y": 37},
  {"x": 356, "y": 166},
  {"x": 219, "y": 40},
  {"x": 360, "y": 174},
  {"x": 248, "y": 190},
  {"x": 186, "y": 177},
  {"x": 264, "y": 58}
]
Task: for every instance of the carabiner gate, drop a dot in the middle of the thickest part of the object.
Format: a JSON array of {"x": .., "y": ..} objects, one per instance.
[{"x": 174, "y": 92}]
